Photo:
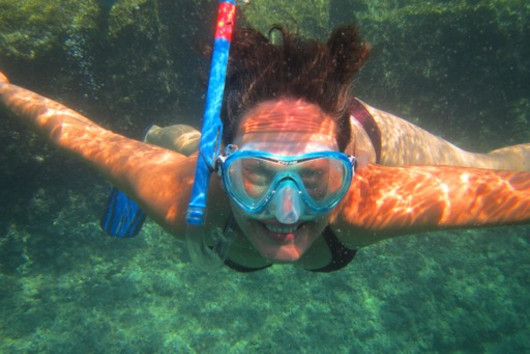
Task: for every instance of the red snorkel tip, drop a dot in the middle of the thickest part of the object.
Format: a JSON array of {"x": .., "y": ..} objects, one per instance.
[{"x": 225, "y": 21}]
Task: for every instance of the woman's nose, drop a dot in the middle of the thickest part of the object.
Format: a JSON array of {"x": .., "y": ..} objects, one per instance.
[{"x": 287, "y": 203}]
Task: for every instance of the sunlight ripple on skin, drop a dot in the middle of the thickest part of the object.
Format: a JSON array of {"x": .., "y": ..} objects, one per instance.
[{"x": 435, "y": 196}]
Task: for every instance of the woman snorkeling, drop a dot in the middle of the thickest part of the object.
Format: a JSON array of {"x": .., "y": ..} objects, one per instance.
[{"x": 311, "y": 174}]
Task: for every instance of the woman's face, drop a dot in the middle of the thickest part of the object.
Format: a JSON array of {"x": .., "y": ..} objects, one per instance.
[{"x": 284, "y": 127}]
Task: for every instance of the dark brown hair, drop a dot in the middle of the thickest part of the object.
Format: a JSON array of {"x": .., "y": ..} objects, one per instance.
[{"x": 319, "y": 73}]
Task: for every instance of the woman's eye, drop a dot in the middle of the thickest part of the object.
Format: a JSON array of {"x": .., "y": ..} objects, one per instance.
[
  {"x": 256, "y": 175},
  {"x": 311, "y": 175}
]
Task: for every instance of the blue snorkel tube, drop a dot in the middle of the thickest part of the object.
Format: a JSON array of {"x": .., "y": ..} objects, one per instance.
[{"x": 210, "y": 256}]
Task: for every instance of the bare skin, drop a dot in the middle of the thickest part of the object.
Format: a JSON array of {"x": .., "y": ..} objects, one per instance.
[
  {"x": 382, "y": 201},
  {"x": 403, "y": 143}
]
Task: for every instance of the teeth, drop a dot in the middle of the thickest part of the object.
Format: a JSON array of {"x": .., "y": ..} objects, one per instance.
[{"x": 281, "y": 229}]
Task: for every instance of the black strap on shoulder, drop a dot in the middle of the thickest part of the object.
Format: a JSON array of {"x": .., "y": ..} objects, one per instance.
[
  {"x": 340, "y": 255},
  {"x": 242, "y": 269},
  {"x": 361, "y": 114}
]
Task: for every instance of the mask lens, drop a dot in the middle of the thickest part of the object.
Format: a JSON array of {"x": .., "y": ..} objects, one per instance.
[
  {"x": 322, "y": 178},
  {"x": 256, "y": 176},
  {"x": 249, "y": 180}
]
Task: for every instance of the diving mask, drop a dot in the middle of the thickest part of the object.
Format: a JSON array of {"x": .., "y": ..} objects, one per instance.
[{"x": 253, "y": 179}]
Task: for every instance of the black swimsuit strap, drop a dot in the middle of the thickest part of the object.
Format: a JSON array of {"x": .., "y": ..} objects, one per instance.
[
  {"x": 242, "y": 269},
  {"x": 361, "y": 114},
  {"x": 340, "y": 255}
]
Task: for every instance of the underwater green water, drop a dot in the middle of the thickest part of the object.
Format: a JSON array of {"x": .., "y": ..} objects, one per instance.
[{"x": 458, "y": 68}]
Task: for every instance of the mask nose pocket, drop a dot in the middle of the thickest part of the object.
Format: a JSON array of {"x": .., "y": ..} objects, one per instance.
[{"x": 287, "y": 203}]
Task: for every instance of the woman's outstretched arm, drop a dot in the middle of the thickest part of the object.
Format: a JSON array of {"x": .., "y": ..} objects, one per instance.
[
  {"x": 158, "y": 179},
  {"x": 385, "y": 201}
]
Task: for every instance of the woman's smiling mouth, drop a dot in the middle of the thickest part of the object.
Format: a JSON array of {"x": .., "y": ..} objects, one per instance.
[{"x": 280, "y": 232}]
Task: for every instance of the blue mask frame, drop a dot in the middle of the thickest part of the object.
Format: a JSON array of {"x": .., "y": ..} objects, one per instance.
[{"x": 256, "y": 205}]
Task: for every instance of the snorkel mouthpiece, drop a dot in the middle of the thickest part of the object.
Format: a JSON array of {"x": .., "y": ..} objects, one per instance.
[{"x": 287, "y": 203}]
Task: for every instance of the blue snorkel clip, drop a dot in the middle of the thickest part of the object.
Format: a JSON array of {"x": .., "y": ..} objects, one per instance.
[{"x": 210, "y": 254}]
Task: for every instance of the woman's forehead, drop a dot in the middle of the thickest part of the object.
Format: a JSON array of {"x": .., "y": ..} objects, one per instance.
[
  {"x": 286, "y": 115},
  {"x": 286, "y": 127},
  {"x": 287, "y": 143}
]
